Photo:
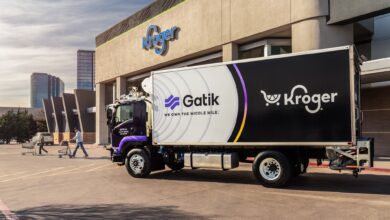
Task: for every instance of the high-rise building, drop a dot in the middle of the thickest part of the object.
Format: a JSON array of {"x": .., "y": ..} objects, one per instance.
[
  {"x": 44, "y": 86},
  {"x": 86, "y": 69}
]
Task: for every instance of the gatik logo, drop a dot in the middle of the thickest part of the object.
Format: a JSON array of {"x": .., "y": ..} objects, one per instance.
[
  {"x": 159, "y": 41},
  {"x": 305, "y": 99},
  {"x": 209, "y": 99},
  {"x": 171, "y": 102}
]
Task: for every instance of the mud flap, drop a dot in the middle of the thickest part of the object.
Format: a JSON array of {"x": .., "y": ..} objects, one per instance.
[{"x": 157, "y": 161}]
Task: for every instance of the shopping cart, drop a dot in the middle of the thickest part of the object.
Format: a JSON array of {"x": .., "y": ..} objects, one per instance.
[
  {"x": 29, "y": 148},
  {"x": 65, "y": 151}
]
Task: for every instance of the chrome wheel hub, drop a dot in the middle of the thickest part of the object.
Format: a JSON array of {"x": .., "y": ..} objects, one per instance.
[
  {"x": 137, "y": 163},
  {"x": 270, "y": 169}
]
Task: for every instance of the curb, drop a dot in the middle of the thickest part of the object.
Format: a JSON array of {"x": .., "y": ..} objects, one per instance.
[{"x": 326, "y": 165}]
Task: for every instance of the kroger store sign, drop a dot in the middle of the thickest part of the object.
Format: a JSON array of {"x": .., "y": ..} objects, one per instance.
[{"x": 158, "y": 40}]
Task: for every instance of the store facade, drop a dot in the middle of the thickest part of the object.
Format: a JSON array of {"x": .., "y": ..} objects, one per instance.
[{"x": 178, "y": 33}]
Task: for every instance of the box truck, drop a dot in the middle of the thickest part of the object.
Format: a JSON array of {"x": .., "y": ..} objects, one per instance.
[{"x": 281, "y": 110}]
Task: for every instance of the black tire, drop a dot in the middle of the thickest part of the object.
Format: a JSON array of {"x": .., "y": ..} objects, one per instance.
[
  {"x": 300, "y": 168},
  {"x": 277, "y": 163},
  {"x": 138, "y": 156},
  {"x": 174, "y": 163}
]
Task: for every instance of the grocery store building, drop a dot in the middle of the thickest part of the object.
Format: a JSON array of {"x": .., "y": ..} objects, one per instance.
[{"x": 178, "y": 33}]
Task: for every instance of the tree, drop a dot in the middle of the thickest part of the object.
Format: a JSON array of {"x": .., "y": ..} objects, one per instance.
[
  {"x": 19, "y": 125},
  {"x": 8, "y": 124},
  {"x": 41, "y": 126}
]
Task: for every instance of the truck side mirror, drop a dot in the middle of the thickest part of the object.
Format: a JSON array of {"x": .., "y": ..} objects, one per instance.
[{"x": 109, "y": 116}]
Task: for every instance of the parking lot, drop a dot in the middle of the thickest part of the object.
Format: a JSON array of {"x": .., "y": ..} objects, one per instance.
[{"x": 47, "y": 187}]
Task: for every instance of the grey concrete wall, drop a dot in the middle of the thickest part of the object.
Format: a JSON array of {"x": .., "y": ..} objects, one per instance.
[
  {"x": 343, "y": 11},
  {"x": 58, "y": 107},
  {"x": 314, "y": 34},
  {"x": 85, "y": 99},
  {"x": 48, "y": 109},
  {"x": 69, "y": 104}
]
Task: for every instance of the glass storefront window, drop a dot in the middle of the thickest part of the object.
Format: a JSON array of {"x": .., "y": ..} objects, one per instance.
[
  {"x": 251, "y": 53},
  {"x": 276, "y": 50},
  {"x": 372, "y": 37},
  {"x": 264, "y": 48}
]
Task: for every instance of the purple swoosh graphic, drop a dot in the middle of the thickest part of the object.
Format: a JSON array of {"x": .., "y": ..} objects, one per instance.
[
  {"x": 174, "y": 105},
  {"x": 176, "y": 99},
  {"x": 169, "y": 99}
]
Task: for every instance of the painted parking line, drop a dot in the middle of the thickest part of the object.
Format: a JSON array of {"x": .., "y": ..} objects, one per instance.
[
  {"x": 98, "y": 167},
  {"x": 71, "y": 170},
  {"x": 33, "y": 174},
  {"x": 12, "y": 174},
  {"x": 7, "y": 212},
  {"x": 8, "y": 153}
]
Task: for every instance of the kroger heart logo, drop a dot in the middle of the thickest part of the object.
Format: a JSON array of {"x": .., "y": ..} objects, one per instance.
[{"x": 304, "y": 98}]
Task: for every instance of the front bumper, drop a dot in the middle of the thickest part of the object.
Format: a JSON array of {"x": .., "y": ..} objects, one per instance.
[{"x": 116, "y": 157}]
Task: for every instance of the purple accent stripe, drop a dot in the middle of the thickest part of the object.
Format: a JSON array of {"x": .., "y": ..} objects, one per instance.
[
  {"x": 242, "y": 83},
  {"x": 245, "y": 102},
  {"x": 131, "y": 139}
]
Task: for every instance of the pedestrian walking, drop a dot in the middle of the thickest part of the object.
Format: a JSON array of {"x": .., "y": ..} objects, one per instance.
[
  {"x": 79, "y": 143},
  {"x": 41, "y": 143}
]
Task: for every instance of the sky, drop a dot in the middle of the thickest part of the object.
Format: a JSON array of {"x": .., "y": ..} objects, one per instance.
[{"x": 44, "y": 36}]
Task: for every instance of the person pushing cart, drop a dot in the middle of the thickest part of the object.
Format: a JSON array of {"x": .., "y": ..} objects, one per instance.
[{"x": 79, "y": 143}]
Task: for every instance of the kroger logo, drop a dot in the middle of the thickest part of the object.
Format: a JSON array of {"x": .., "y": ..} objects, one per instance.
[
  {"x": 172, "y": 101},
  {"x": 159, "y": 41},
  {"x": 305, "y": 99}
]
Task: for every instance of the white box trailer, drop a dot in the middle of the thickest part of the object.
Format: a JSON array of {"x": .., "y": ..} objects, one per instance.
[
  {"x": 306, "y": 99},
  {"x": 282, "y": 110}
]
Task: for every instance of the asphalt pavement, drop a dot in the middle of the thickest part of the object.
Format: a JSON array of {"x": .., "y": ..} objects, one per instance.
[{"x": 48, "y": 187}]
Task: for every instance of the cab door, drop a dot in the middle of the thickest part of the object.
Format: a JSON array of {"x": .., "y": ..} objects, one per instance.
[{"x": 129, "y": 120}]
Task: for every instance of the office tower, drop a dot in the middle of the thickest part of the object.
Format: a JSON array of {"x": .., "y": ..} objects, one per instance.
[
  {"x": 44, "y": 86},
  {"x": 86, "y": 69}
]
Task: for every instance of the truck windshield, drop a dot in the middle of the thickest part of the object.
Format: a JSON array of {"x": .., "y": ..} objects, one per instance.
[{"x": 124, "y": 113}]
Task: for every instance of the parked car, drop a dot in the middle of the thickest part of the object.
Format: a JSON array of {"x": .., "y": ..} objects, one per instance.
[{"x": 46, "y": 136}]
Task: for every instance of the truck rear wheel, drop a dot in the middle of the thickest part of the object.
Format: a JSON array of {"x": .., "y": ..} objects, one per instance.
[
  {"x": 138, "y": 163},
  {"x": 272, "y": 169}
]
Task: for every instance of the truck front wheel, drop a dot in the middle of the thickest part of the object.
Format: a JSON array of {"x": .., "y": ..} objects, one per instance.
[
  {"x": 138, "y": 163},
  {"x": 272, "y": 169}
]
